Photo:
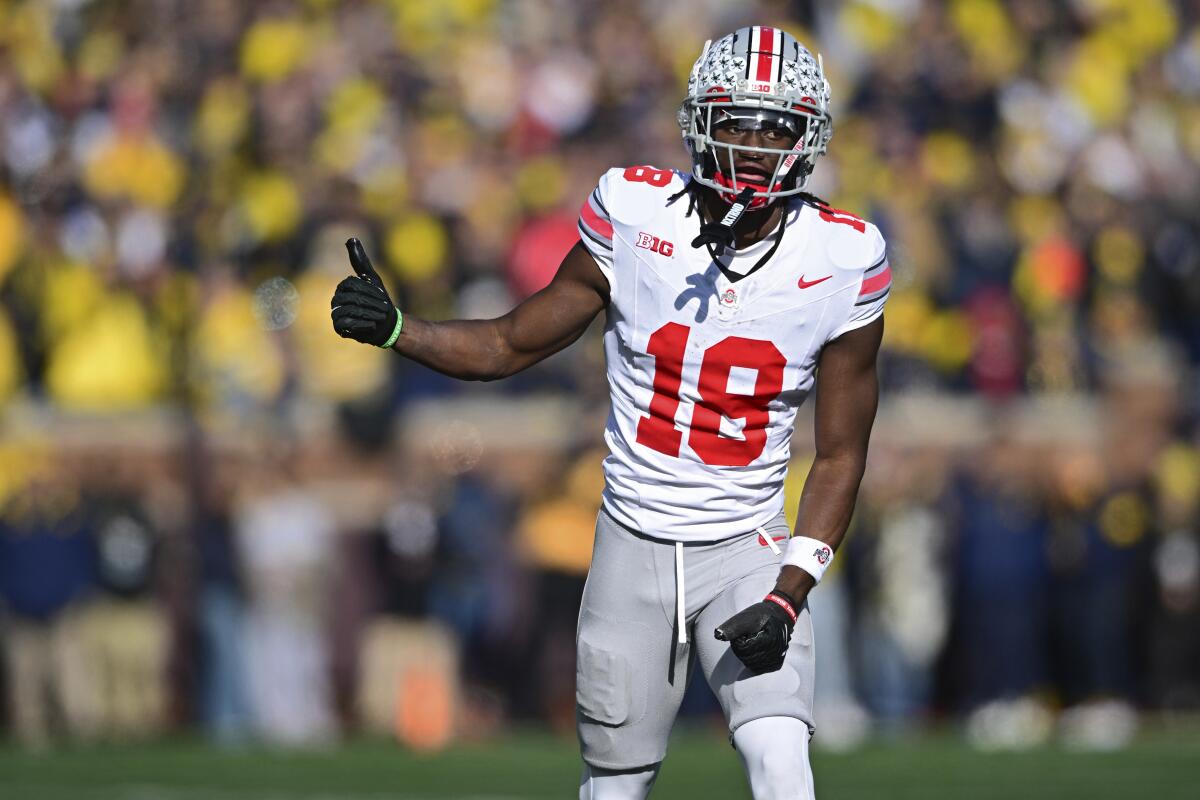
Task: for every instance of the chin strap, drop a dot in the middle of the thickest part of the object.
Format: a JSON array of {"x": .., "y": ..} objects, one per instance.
[
  {"x": 720, "y": 234},
  {"x": 717, "y": 251}
]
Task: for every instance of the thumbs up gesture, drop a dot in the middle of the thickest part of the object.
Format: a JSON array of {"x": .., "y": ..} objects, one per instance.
[{"x": 362, "y": 309}]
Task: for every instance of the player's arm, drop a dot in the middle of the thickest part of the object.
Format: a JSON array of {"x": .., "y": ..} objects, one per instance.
[
  {"x": 474, "y": 349},
  {"x": 847, "y": 395}
]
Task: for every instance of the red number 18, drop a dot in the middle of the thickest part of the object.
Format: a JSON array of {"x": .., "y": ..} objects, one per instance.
[{"x": 658, "y": 431}]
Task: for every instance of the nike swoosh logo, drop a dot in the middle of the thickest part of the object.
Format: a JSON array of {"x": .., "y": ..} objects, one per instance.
[{"x": 803, "y": 284}]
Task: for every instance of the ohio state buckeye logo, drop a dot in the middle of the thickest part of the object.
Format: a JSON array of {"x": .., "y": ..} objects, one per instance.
[
  {"x": 822, "y": 555},
  {"x": 729, "y": 297}
]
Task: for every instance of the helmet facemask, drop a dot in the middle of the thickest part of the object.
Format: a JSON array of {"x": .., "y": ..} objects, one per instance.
[{"x": 785, "y": 165}]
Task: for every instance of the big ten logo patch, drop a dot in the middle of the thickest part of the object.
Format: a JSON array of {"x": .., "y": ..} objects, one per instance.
[{"x": 650, "y": 242}]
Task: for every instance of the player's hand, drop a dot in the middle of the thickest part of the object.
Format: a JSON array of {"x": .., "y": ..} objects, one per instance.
[
  {"x": 362, "y": 309},
  {"x": 759, "y": 635}
]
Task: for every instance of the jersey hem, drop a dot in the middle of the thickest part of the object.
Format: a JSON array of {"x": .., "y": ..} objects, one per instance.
[{"x": 606, "y": 504}]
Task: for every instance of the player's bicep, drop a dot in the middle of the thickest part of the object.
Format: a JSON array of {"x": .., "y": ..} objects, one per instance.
[
  {"x": 557, "y": 315},
  {"x": 848, "y": 391}
]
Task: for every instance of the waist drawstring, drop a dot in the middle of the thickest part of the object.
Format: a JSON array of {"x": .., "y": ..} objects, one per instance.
[
  {"x": 681, "y": 595},
  {"x": 680, "y": 601}
]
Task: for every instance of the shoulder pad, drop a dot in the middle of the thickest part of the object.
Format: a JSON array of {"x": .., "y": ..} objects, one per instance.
[
  {"x": 634, "y": 194},
  {"x": 851, "y": 243}
]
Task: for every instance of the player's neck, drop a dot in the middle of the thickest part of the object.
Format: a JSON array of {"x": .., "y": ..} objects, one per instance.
[{"x": 754, "y": 226}]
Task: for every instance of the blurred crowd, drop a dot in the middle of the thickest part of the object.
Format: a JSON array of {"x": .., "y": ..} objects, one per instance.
[{"x": 215, "y": 512}]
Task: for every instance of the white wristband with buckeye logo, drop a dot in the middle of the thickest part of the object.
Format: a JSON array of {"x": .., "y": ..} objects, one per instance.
[{"x": 811, "y": 555}]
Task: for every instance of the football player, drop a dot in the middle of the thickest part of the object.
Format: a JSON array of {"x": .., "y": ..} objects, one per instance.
[{"x": 726, "y": 292}]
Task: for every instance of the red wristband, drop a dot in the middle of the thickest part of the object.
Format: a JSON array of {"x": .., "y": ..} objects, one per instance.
[{"x": 782, "y": 603}]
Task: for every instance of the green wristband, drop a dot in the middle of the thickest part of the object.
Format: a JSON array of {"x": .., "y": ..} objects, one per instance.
[{"x": 395, "y": 333}]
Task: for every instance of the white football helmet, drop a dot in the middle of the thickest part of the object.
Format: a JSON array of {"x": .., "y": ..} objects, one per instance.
[{"x": 756, "y": 74}]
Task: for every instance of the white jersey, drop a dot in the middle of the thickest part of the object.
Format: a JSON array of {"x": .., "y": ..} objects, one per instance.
[{"x": 706, "y": 374}]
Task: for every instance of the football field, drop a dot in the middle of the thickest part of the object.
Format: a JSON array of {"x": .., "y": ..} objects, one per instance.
[{"x": 1162, "y": 765}]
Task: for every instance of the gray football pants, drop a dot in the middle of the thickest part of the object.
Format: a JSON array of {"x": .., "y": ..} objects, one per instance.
[{"x": 631, "y": 670}]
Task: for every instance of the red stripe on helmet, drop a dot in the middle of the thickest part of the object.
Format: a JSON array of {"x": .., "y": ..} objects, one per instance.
[{"x": 766, "y": 46}]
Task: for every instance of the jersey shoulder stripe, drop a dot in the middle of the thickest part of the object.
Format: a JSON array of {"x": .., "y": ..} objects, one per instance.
[
  {"x": 857, "y": 245},
  {"x": 596, "y": 230},
  {"x": 595, "y": 221},
  {"x": 876, "y": 283}
]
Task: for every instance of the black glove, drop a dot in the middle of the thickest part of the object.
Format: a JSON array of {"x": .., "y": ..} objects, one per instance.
[
  {"x": 362, "y": 309},
  {"x": 759, "y": 635}
]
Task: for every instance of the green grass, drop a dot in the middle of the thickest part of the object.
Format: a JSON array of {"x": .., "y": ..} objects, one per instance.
[{"x": 1160, "y": 766}]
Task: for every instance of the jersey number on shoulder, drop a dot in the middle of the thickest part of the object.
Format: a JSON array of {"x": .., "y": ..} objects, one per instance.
[
  {"x": 650, "y": 175},
  {"x": 658, "y": 431},
  {"x": 843, "y": 218}
]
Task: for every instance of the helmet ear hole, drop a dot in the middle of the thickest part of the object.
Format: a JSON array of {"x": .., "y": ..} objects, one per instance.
[{"x": 799, "y": 174}]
